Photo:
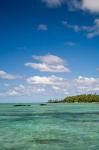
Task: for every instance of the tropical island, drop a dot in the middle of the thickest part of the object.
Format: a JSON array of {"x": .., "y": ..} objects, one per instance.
[{"x": 84, "y": 98}]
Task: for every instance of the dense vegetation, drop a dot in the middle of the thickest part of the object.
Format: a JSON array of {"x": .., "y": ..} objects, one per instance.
[{"x": 85, "y": 98}]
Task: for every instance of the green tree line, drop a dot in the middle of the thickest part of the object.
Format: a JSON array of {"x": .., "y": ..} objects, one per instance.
[{"x": 84, "y": 98}]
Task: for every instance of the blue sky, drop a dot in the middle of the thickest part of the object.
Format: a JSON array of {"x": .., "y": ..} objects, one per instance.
[{"x": 48, "y": 49}]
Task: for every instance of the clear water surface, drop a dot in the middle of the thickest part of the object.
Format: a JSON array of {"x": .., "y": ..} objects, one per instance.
[{"x": 51, "y": 127}]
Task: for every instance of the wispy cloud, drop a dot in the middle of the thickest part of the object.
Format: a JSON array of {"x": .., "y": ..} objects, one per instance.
[
  {"x": 70, "y": 44},
  {"x": 42, "y": 27},
  {"x": 72, "y": 4},
  {"x": 49, "y": 63},
  {"x": 22, "y": 90},
  {"x": 89, "y": 31},
  {"x": 53, "y": 3},
  {"x": 7, "y": 76},
  {"x": 97, "y": 69},
  {"x": 76, "y": 28},
  {"x": 93, "y": 31}
]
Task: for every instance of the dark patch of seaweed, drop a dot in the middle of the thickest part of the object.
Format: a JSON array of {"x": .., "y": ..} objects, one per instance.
[{"x": 48, "y": 141}]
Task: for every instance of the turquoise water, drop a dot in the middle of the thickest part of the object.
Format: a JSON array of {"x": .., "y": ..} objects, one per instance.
[{"x": 51, "y": 127}]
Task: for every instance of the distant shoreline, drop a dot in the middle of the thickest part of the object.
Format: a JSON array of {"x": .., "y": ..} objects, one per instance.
[{"x": 85, "y": 98}]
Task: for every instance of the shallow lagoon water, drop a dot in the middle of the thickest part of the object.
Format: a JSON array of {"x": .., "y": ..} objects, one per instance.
[{"x": 51, "y": 127}]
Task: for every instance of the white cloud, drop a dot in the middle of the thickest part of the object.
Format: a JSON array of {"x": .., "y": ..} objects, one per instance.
[
  {"x": 53, "y": 85},
  {"x": 5, "y": 75},
  {"x": 49, "y": 63},
  {"x": 90, "y": 31},
  {"x": 49, "y": 59},
  {"x": 48, "y": 68},
  {"x": 91, "y": 5},
  {"x": 53, "y": 3},
  {"x": 51, "y": 80},
  {"x": 42, "y": 27},
  {"x": 77, "y": 85},
  {"x": 85, "y": 80},
  {"x": 56, "y": 88},
  {"x": 86, "y": 84},
  {"x": 22, "y": 90}
]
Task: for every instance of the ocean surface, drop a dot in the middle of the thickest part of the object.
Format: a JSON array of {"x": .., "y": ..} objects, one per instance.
[{"x": 51, "y": 127}]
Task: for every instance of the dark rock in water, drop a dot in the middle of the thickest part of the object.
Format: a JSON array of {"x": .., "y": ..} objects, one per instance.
[
  {"x": 21, "y": 105},
  {"x": 48, "y": 141},
  {"x": 43, "y": 104}
]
